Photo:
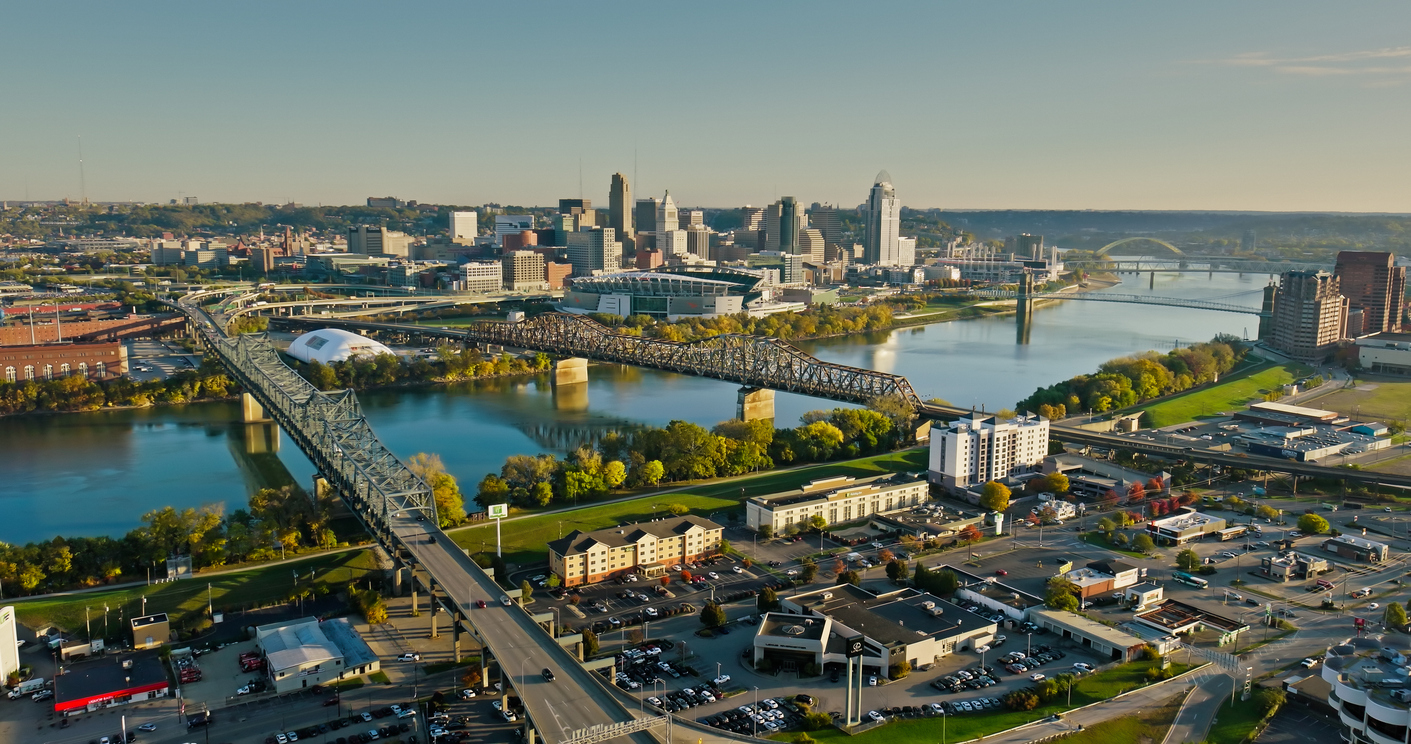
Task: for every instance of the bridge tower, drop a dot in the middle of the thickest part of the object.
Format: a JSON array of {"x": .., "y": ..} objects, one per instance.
[{"x": 1024, "y": 308}]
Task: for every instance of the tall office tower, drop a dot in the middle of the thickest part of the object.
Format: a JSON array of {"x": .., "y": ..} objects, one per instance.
[
  {"x": 825, "y": 218},
  {"x": 692, "y": 218},
  {"x": 883, "y": 224},
  {"x": 620, "y": 207},
  {"x": 812, "y": 246},
  {"x": 1247, "y": 242},
  {"x": 464, "y": 227},
  {"x": 581, "y": 210},
  {"x": 698, "y": 240},
  {"x": 791, "y": 270},
  {"x": 647, "y": 215},
  {"x": 1374, "y": 284},
  {"x": 511, "y": 223},
  {"x": 671, "y": 239},
  {"x": 378, "y": 241},
  {"x": 1028, "y": 245},
  {"x": 752, "y": 217},
  {"x": 594, "y": 249},
  {"x": 1310, "y": 314},
  {"x": 783, "y": 220}
]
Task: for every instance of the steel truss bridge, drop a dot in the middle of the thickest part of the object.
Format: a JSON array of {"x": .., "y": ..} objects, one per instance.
[
  {"x": 749, "y": 360},
  {"x": 1224, "y": 307}
]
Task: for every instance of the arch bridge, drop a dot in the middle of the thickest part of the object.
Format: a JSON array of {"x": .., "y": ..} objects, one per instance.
[{"x": 1103, "y": 251}]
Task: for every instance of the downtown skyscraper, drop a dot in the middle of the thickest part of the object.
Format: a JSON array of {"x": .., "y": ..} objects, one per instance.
[
  {"x": 620, "y": 207},
  {"x": 882, "y": 243}
]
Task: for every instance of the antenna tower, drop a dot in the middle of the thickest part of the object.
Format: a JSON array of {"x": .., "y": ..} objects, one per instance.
[{"x": 82, "y": 179}]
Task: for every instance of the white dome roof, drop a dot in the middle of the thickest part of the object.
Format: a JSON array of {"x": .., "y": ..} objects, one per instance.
[{"x": 328, "y": 345}]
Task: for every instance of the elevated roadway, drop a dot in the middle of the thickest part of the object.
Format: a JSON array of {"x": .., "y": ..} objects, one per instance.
[{"x": 1224, "y": 307}]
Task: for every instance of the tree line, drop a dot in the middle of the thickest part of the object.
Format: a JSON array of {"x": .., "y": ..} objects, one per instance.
[
  {"x": 449, "y": 365},
  {"x": 814, "y": 322},
  {"x": 1127, "y": 381},
  {"x": 686, "y": 451},
  {"x": 77, "y": 393}
]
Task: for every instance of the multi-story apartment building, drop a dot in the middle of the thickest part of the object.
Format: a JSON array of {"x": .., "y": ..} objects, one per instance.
[
  {"x": 979, "y": 449},
  {"x": 594, "y": 251},
  {"x": 481, "y": 276},
  {"x": 838, "y": 500},
  {"x": 524, "y": 271},
  {"x": 648, "y": 548},
  {"x": 1310, "y": 314},
  {"x": 1373, "y": 283}
]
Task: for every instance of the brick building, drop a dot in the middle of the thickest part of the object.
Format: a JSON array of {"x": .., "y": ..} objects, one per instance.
[{"x": 100, "y": 361}]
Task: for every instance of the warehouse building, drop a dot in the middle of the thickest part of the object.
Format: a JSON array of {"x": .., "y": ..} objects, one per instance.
[
  {"x": 1184, "y": 527},
  {"x": 1356, "y": 548},
  {"x": 1116, "y": 644},
  {"x": 309, "y": 652}
]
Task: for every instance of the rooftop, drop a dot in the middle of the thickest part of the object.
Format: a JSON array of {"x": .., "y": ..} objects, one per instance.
[
  {"x": 829, "y": 489},
  {"x": 138, "y": 622},
  {"x": 1286, "y": 409},
  {"x": 907, "y": 620},
  {"x": 789, "y": 625},
  {"x": 1176, "y": 616},
  {"x": 1090, "y": 628},
  {"x": 355, "y": 650},
  {"x": 1373, "y": 666},
  {"x": 1358, "y": 542},
  {"x": 1185, "y": 521},
  {"x": 107, "y": 676},
  {"x": 1111, "y": 568},
  {"x": 577, "y": 542},
  {"x": 296, "y": 644}
]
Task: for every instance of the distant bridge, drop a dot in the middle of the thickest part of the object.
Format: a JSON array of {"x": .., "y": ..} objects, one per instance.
[
  {"x": 1224, "y": 307},
  {"x": 752, "y": 361},
  {"x": 1138, "y": 239}
]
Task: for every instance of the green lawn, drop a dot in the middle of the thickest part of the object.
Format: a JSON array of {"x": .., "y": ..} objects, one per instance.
[
  {"x": 228, "y": 592},
  {"x": 1234, "y": 392},
  {"x": 1101, "y": 686},
  {"x": 526, "y": 539},
  {"x": 1234, "y": 722},
  {"x": 1150, "y": 725},
  {"x": 1096, "y": 538},
  {"x": 1387, "y": 400}
]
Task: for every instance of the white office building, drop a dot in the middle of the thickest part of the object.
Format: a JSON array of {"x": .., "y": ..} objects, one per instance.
[
  {"x": 481, "y": 276},
  {"x": 511, "y": 224},
  {"x": 837, "y": 500},
  {"x": 464, "y": 227},
  {"x": 979, "y": 449},
  {"x": 882, "y": 245}
]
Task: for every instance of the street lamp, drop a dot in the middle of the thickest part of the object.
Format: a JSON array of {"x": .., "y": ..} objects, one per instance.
[{"x": 754, "y": 718}]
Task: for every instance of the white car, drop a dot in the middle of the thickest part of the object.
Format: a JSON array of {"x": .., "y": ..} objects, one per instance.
[
  {"x": 497, "y": 705},
  {"x": 792, "y": 572},
  {"x": 721, "y": 680},
  {"x": 508, "y": 715},
  {"x": 875, "y": 716},
  {"x": 1037, "y": 678},
  {"x": 738, "y": 570},
  {"x": 1373, "y": 606},
  {"x": 467, "y": 694},
  {"x": 872, "y": 681},
  {"x": 1083, "y": 667},
  {"x": 409, "y": 657},
  {"x": 713, "y": 576},
  {"x": 1309, "y": 663},
  {"x": 147, "y": 727}
]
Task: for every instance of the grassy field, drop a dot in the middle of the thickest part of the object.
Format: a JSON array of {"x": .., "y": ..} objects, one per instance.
[
  {"x": 229, "y": 591},
  {"x": 526, "y": 538},
  {"x": 1101, "y": 686},
  {"x": 1149, "y": 726},
  {"x": 1234, "y": 722},
  {"x": 1234, "y": 392},
  {"x": 1373, "y": 399}
]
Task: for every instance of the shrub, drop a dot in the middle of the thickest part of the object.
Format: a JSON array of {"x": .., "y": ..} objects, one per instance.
[
  {"x": 817, "y": 721},
  {"x": 899, "y": 670}
]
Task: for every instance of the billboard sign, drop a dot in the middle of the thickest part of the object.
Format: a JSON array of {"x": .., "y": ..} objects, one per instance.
[
  {"x": 499, "y": 511},
  {"x": 855, "y": 647}
]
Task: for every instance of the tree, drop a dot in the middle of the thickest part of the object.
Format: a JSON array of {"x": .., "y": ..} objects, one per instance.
[
  {"x": 1061, "y": 595},
  {"x": 817, "y": 522},
  {"x": 1057, "y": 482},
  {"x": 450, "y": 504},
  {"x": 614, "y": 474},
  {"x": 808, "y": 571},
  {"x": 590, "y": 642},
  {"x": 885, "y": 556},
  {"x": 899, "y": 669},
  {"x": 766, "y": 531},
  {"x": 767, "y": 601},
  {"x": 651, "y": 472},
  {"x": 1187, "y": 560},
  {"x": 1270, "y": 700},
  {"x": 1106, "y": 525},
  {"x": 492, "y": 490},
  {"x": 897, "y": 570},
  {"x": 1395, "y": 616},
  {"x": 677, "y": 510},
  {"x": 1266, "y": 511},
  {"x": 947, "y": 582},
  {"x": 850, "y": 577},
  {"x": 1136, "y": 492},
  {"x": 1143, "y": 544},
  {"x": 1312, "y": 524},
  {"x": 712, "y": 615},
  {"x": 525, "y": 590},
  {"x": 994, "y": 496},
  {"x": 970, "y": 534}
]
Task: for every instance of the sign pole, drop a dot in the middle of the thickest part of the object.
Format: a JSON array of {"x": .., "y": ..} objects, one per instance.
[{"x": 498, "y": 512}]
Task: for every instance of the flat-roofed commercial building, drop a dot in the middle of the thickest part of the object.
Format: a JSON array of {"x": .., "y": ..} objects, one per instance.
[
  {"x": 647, "y": 548},
  {"x": 1385, "y": 353},
  {"x": 975, "y": 450},
  {"x": 1293, "y": 565},
  {"x": 1181, "y": 528},
  {"x": 96, "y": 361},
  {"x": 481, "y": 276},
  {"x": 1178, "y": 618},
  {"x": 1356, "y": 548},
  {"x": 150, "y": 631},
  {"x": 838, "y": 500},
  {"x": 1368, "y": 683},
  {"x": 1117, "y": 645},
  {"x": 102, "y": 683},
  {"x": 309, "y": 652},
  {"x": 523, "y": 271}
]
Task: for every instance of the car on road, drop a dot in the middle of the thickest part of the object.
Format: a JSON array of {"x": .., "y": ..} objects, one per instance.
[
  {"x": 467, "y": 694},
  {"x": 872, "y": 681},
  {"x": 547, "y": 674},
  {"x": 480, "y": 603},
  {"x": 1037, "y": 678},
  {"x": 1309, "y": 663},
  {"x": 409, "y": 657},
  {"x": 792, "y": 572},
  {"x": 147, "y": 727},
  {"x": 1373, "y": 606},
  {"x": 505, "y": 600},
  {"x": 1001, "y": 572},
  {"x": 1386, "y": 508},
  {"x": 737, "y": 569}
]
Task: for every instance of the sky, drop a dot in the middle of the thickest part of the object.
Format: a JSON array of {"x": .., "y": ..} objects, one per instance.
[{"x": 1281, "y": 106}]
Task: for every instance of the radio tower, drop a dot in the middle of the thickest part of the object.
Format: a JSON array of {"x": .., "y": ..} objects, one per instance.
[{"x": 82, "y": 180}]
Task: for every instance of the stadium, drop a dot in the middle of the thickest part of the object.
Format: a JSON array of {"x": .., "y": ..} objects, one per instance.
[{"x": 674, "y": 293}]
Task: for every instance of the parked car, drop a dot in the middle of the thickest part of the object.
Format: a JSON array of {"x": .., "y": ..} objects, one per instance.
[{"x": 409, "y": 657}]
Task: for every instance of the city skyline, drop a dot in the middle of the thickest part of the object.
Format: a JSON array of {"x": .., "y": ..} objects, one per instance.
[{"x": 1200, "y": 107}]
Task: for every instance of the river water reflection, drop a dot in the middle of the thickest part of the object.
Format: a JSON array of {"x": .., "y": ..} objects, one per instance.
[{"x": 96, "y": 473}]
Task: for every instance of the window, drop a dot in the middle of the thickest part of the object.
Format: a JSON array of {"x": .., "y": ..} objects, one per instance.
[
  {"x": 100, "y": 369},
  {"x": 64, "y": 369},
  {"x": 48, "y": 371},
  {"x": 29, "y": 371},
  {"x": 9, "y": 374},
  {"x": 83, "y": 368}
]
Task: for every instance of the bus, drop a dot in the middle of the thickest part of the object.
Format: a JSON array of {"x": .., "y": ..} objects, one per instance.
[{"x": 1188, "y": 580}]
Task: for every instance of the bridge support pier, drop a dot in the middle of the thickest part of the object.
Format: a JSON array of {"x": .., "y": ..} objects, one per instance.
[
  {"x": 570, "y": 371},
  {"x": 261, "y": 438},
  {"x": 456, "y": 639},
  {"x": 251, "y": 412},
  {"x": 431, "y": 604},
  {"x": 755, "y": 404}
]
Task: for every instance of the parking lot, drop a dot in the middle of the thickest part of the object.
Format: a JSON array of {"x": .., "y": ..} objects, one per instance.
[{"x": 156, "y": 359}]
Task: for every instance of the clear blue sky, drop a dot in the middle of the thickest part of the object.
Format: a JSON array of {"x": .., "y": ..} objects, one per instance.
[{"x": 1067, "y": 105}]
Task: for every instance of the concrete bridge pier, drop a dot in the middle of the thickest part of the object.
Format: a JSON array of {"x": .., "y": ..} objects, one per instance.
[
  {"x": 570, "y": 371},
  {"x": 456, "y": 638},
  {"x": 261, "y": 438},
  {"x": 755, "y": 404},
  {"x": 431, "y": 604},
  {"x": 251, "y": 412}
]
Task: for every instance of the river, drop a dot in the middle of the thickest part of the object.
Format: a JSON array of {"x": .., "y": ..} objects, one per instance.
[{"x": 96, "y": 473}]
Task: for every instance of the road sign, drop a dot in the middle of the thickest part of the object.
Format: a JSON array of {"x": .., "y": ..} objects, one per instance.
[{"x": 499, "y": 511}]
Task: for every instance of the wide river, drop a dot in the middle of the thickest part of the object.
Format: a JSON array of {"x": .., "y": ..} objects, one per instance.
[{"x": 97, "y": 473}]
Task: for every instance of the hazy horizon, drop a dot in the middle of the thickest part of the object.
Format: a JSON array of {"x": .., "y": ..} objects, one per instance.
[{"x": 1026, "y": 106}]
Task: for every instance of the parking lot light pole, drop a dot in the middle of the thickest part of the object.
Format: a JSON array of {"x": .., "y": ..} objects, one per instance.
[
  {"x": 1029, "y": 649},
  {"x": 754, "y": 719},
  {"x": 943, "y": 726}
]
